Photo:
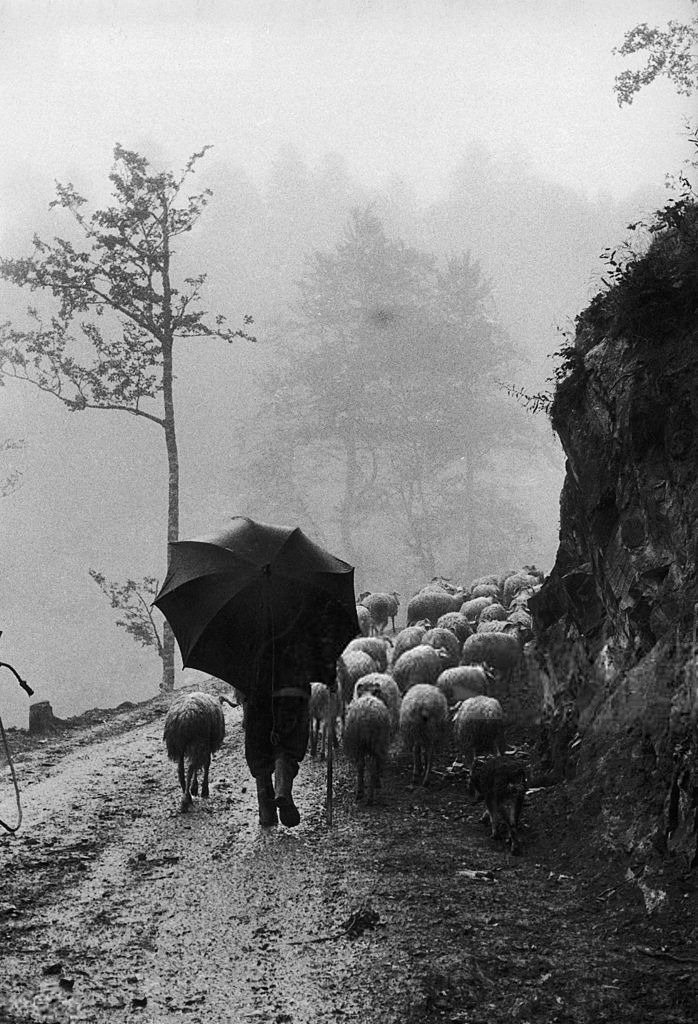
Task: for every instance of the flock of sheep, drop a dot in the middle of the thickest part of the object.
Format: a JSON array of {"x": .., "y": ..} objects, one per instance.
[
  {"x": 434, "y": 684},
  {"x": 441, "y": 680}
]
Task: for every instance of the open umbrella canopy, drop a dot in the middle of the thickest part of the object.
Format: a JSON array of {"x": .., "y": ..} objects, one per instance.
[{"x": 229, "y": 594}]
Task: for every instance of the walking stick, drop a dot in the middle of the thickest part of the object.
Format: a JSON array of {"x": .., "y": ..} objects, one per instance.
[
  {"x": 331, "y": 762},
  {"x": 330, "y": 756}
]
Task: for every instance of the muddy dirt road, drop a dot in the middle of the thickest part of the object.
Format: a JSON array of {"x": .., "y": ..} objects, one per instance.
[{"x": 115, "y": 907}]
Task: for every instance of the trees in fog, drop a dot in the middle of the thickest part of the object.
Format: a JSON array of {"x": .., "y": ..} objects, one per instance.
[
  {"x": 109, "y": 344},
  {"x": 382, "y": 401}
]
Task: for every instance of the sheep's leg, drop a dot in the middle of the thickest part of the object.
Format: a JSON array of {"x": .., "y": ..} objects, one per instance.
[
  {"x": 513, "y": 823},
  {"x": 360, "y": 768},
  {"x": 313, "y": 737},
  {"x": 204, "y": 784},
  {"x": 194, "y": 787},
  {"x": 373, "y": 772},
  {"x": 495, "y": 817},
  {"x": 189, "y": 787},
  {"x": 518, "y": 807},
  {"x": 417, "y": 766},
  {"x": 512, "y": 837},
  {"x": 500, "y": 743},
  {"x": 427, "y": 766},
  {"x": 180, "y": 773}
]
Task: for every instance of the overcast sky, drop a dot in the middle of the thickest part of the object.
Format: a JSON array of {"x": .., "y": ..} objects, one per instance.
[{"x": 396, "y": 86}]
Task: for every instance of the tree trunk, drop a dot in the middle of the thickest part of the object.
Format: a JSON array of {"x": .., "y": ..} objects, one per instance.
[{"x": 168, "y": 642}]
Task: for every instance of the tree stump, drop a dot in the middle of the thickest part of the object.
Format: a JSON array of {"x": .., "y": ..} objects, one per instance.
[{"x": 42, "y": 719}]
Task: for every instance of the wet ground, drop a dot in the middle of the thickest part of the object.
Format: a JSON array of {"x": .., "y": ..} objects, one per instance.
[{"x": 116, "y": 907}]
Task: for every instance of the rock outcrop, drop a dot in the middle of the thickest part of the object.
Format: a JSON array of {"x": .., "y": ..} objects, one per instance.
[{"x": 616, "y": 619}]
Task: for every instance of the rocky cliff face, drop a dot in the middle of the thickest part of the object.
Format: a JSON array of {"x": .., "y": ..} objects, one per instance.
[{"x": 616, "y": 619}]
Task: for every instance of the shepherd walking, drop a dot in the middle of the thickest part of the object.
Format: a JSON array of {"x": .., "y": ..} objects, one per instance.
[{"x": 269, "y": 611}]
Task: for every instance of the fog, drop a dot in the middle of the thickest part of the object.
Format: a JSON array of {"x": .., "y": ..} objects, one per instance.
[{"x": 487, "y": 128}]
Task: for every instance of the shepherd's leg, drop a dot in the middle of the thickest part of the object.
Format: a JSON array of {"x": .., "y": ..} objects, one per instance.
[
  {"x": 285, "y": 771},
  {"x": 266, "y": 801}
]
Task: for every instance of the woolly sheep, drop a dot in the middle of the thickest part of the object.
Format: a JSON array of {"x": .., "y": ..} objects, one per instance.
[
  {"x": 444, "y": 640},
  {"x": 533, "y": 570},
  {"x": 492, "y": 580},
  {"x": 383, "y": 686},
  {"x": 351, "y": 665},
  {"x": 423, "y": 726},
  {"x": 493, "y": 611},
  {"x": 407, "y": 639},
  {"x": 478, "y": 727},
  {"x": 325, "y": 706},
  {"x": 421, "y": 664},
  {"x": 366, "y": 741},
  {"x": 444, "y": 583},
  {"x": 460, "y": 683},
  {"x": 431, "y": 604},
  {"x": 514, "y": 584},
  {"x": 486, "y": 590},
  {"x": 501, "y": 651},
  {"x": 471, "y": 609},
  {"x": 376, "y": 647},
  {"x": 501, "y": 782},
  {"x": 505, "y": 576},
  {"x": 457, "y": 623},
  {"x": 381, "y": 607},
  {"x": 364, "y": 617},
  {"x": 523, "y": 620},
  {"x": 194, "y": 729},
  {"x": 494, "y": 626},
  {"x": 520, "y": 602}
]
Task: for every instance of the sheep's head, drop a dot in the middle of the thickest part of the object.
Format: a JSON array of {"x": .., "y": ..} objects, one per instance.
[{"x": 367, "y": 686}]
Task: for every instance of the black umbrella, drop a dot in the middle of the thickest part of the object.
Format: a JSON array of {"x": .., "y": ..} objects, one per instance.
[{"x": 230, "y": 594}]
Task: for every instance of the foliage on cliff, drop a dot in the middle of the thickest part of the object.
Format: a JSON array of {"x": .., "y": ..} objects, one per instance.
[{"x": 649, "y": 294}]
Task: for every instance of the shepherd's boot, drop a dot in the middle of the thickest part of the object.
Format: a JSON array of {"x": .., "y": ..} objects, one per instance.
[
  {"x": 266, "y": 801},
  {"x": 285, "y": 771}
]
